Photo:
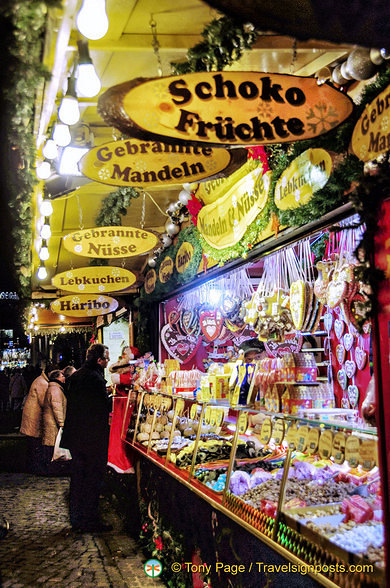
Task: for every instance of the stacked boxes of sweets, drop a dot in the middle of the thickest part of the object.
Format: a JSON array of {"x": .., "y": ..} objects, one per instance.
[
  {"x": 184, "y": 382},
  {"x": 296, "y": 398}
]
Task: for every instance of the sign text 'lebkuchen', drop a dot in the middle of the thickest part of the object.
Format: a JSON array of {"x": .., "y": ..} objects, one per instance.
[
  {"x": 84, "y": 305},
  {"x": 110, "y": 242},
  {"x": 97, "y": 279},
  {"x": 139, "y": 163},
  {"x": 225, "y": 108}
]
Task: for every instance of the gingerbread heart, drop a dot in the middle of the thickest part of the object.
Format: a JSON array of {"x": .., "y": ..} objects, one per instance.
[
  {"x": 350, "y": 368},
  {"x": 174, "y": 319},
  {"x": 344, "y": 402},
  {"x": 328, "y": 321},
  {"x": 320, "y": 289},
  {"x": 360, "y": 358},
  {"x": 342, "y": 379},
  {"x": 181, "y": 347},
  {"x": 335, "y": 292},
  {"x": 297, "y": 302},
  {"x": 348, "y": 341},
  {"x": 339, "y": 327},
  {"x": 353, "y": 395},
  {"x": 211, "y": 323},
  {"x": 340, "y": 353},
  {"x": 367, "y": 328}
]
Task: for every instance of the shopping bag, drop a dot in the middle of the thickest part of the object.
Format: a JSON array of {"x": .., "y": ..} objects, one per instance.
[{"x": 59, "y": 452}]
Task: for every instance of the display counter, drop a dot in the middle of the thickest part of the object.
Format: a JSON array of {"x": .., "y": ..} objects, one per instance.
[{"x": 308, "y": 489}]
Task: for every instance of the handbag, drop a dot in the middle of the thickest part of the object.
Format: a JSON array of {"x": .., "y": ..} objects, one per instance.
[{"x": 60, "y": 453}]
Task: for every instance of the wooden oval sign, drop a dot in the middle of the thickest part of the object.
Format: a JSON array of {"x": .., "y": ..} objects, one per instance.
[
  {"x": 183, "y": 256},
  {"x": 225, "y": 108},
  {"x": 138, "y": 163},
  {"x": 305, "y": 175},
  {"x": 110, "y": 242},
  {"x": 371, "y": 135},
  {"x": 224, "y": 222},
  {"x": 150, "y": 281},
  {"x": 94, "y": 280},
  {"x": 166, "y": 270},
  {"x": 84, "y": 305}
]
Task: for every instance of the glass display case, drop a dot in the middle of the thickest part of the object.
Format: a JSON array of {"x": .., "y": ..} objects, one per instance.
[{"x": 309, "y": 488}]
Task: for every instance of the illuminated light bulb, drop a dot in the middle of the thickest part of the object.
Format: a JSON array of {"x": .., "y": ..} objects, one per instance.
[
  {"x": 50, "y": 150},
  {"x": 69, "y": 160},
  {"x": 44, "y": 251},
  {"x": 62, "y": 329},
  {"x": 88, "y": 82},
  {"x": 41, "y": 273},
  {"x": 214, "y": 296},
  {"x": 46, "y": 208},
  {"x": 45, "y": 231},
  {"x": 36, "y": 326},
  {"x": 61, "y": 317},
  {"x": 43, "y": 170},
  {"x": 92, "y": 20},
  {"x": 38, "y": 244},
  {"x": 69, "y": 112},
  {"x": 61, "y": 135}
]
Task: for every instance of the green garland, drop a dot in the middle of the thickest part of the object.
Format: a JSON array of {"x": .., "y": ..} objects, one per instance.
[
  {"x": 225, "y": 40},
  {"x": 24, "y": 73}
]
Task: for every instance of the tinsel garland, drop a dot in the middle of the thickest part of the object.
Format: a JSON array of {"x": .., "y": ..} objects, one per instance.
[
  {"x": 225, "y": 40},
  {"x": 23, "y": 73}
]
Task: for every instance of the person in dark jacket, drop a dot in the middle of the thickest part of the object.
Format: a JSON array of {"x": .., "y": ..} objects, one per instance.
[{"x": 86, "y": 434}]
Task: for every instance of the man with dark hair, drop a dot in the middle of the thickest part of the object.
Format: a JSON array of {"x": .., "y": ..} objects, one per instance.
[{"x": 85, "y": 434}]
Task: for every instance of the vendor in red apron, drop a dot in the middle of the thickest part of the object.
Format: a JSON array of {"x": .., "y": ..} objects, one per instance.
[{"x": 120, "y": 454}]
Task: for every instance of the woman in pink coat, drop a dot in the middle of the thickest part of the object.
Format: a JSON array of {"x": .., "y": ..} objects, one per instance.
[
  {"x": 54, "y": 410},
  {"x": 32, "y": 421}
]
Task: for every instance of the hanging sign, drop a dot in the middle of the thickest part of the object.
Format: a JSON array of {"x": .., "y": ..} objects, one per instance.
[
  {"x": 223, "y": 223},
  {"x": 371, "y": 135},
  {"x": 84, "y": 305},
  {"x": 166, "y": 270},
  {"x": 150, "y": 281},
  {"x": 212, "y": 190},
  {"x": 98, "y": 279},
  {"x": 136, "y": 163},
  {"x": 183, "y": 256},
  {"x": 225, "y": 108},
  {"x": 305, "y": 175},
  {"x": 110, "y": 242}
]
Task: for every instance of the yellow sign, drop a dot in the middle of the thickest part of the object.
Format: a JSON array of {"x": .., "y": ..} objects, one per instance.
[
  {"x": 84, "y": 305},
  {"x": 326, "y": 443},
  {"x": 110, "y": 242},
  {"x": 352, "y": 453},
  {"x": 98, "y": 279},
  {"x": 150, "y": 281},
  {"x": 184, "y": 256},
  {"x": 212, "y": 190},
  {"x": 371, "y": 135},
  {"x": 308, "y": 173},
  {"x": 242, "y": 422},
  {"x": 135, "y": 163},
  {"x": 225, "y": 108},
  {"x": 166, "y": 270},
  {"x": 224, "y": 222}
]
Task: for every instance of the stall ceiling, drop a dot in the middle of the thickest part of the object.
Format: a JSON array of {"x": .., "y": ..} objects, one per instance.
[{"x": 126, "y": 52}]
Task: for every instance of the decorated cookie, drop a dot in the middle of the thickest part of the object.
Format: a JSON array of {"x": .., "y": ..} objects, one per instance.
[
  {"x": 339, "y": 327},
  {"x": 350, "y": 368},
  {"x": 344, "y": 402},
  {"x": 335, "y": 292},
  {"x": 348, "y": 341},
  {"x": 297, "y": 303},
  {"x": 353, "y": 395},
  {"x": 360, "y": 358},
  {"x": 342, "y": 379},
  {"x": 340, "y": 353},
  {"x": 328, "y": 321}
]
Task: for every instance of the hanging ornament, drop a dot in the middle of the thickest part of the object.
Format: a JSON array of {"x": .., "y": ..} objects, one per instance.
[
  {"x": 360, "y": 65},
  {"x": 166, "y": 240},
  {"x": 345, "y": 71},
  {"x": 152, "y": 262},
  {"x": 322, "y": 75},
  {"x": 337, "y": 76},
  {"x": 184, "y": 196},
  {"x": 171, "y": 228},
  {"x": 171, "y": 208},
  {"x": 375, "y": 56},
  {"x": 385, "y": 53}
]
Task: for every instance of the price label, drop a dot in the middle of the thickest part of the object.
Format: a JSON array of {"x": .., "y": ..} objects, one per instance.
[
  {"x": 242, "y": 422},
  {"x": 278, "y": 431},
  {"x": 220, "y": 414},
  {"x": 312, "y": 440},
  {"x": 266, "y": 431},
  {"x": 352, "y": 454},
  {"x": 368, "y": 454},
  {"x": 303, "y": 433},
  {"x": 213, "y": 416},
  {"x": 338, "y": 451},
  {"x": 325, "y": 445},
  {"x": 291, "y": 436},
  {"x": 207, "y": 415},
  {"x": 157, "y": 399},
  {"x": 194, "y": 411},
  {"x": 147, "y": 400},
  {"x": 179, "y": 406}
]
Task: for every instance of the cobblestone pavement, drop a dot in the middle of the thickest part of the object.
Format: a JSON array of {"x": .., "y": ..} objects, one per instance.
[{"x": 41, "y": 550}]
